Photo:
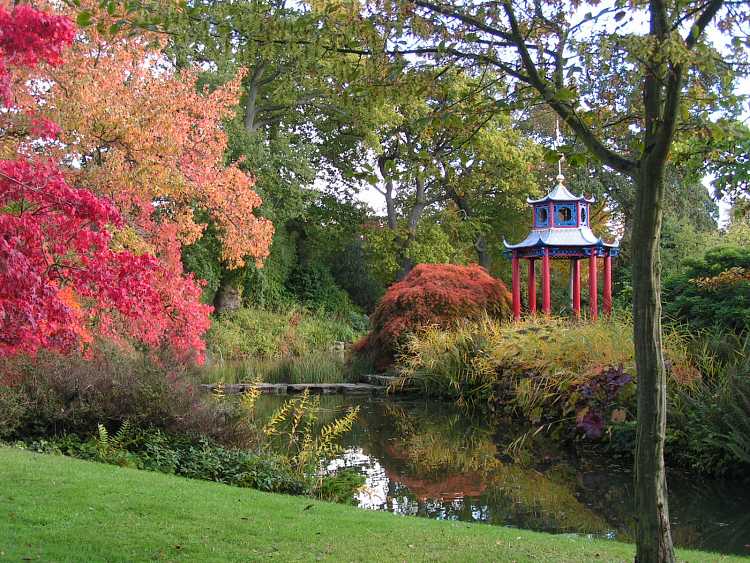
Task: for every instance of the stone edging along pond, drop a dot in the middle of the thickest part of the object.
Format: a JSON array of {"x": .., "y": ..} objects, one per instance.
[{"x": 373, "y": 384}]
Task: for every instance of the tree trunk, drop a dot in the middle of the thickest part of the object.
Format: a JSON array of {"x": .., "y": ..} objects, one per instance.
[
  {"x": 654, "y": 541},
  {"x": 390, "y": 205},
  {"x": 480, "y": 243},
  {"x": 251, "y": 107},
  {"x": 415, "y": 215},
  {"x": 483, "y": 252},
  {"x": 229, "y": 295}
]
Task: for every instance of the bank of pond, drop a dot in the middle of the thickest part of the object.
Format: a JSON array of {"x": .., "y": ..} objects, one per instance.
[
  {"x": 61, "y": 508},
  {"x": 431, "y": 459},
  {"x": 528, "y": 425}
]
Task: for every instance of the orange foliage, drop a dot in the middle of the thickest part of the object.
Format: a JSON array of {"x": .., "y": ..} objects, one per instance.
[
  {"x": 153, "y": 143},
  {"x": 727, "y": 278},
  {"x": 432, "y": 295}
]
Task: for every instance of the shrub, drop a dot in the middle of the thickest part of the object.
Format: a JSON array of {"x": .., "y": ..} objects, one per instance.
[
  {"x": 709, "y": 421},
  {"x": 54, "y": 394},
  {"x": 154, "y": 450},
  {"x": 713, "y": 291},
  {"x": 432, "y": 295},
  {"x": 353, "y": 274},
  {"x": 314, "y": 286}
]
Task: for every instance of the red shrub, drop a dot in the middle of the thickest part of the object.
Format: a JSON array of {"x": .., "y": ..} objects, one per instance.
[{"x": 432, "y": 294}]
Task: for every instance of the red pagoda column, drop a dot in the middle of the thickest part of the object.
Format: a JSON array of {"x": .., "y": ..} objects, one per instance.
[
  {"x": 516, "y": 288},
  {"x": 607, "y": 292},
  {"x": 593, "y": 289},
  {"x": 576, "y": 266},
  {"x": 532, "y": 287},
  {"x": 546, "y": 307}
]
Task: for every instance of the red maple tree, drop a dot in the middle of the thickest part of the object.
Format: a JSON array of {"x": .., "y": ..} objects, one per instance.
[
  {"x": 60, "y": 276},
  {"x": 432, "y": 295}
]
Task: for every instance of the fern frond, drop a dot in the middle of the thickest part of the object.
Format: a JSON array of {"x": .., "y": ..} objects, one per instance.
[
  {"x": 103, "y": 435},
  {"x": 218, "y": 391},
  {"x": 251, "y": 396},
  {"x": 300, "y": 408},
  {"x": 278, "y": 417},
  {"x": 122, "y": 433}
]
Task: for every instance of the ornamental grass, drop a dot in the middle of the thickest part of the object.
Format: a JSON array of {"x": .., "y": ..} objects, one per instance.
[{"x": 528, "y": 364}]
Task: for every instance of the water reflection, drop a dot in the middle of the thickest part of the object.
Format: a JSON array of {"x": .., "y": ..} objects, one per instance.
[{"x": 427, "y": 459}]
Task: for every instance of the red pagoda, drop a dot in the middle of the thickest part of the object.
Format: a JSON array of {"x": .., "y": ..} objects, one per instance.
[{"x": 561, "y": 232}]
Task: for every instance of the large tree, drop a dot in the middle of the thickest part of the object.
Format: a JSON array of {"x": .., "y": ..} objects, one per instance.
[
  {"x": 555, "y": 52},
  {"x": 62, "y": 275},
  {"x": 284, "y": 94},
  {"x": 151, "y": 138},
  {"x": 432, "y": 139}
]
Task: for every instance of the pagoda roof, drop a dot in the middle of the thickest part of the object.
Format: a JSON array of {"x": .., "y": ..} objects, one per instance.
[
  {"x": 560, "y": 193},
  {"x": 563, "y": 236}
]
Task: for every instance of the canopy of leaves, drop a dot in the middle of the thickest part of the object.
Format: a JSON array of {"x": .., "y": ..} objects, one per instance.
[
  {"x": 713, "y": 291},
  {"x": 60, "y": 275},
  {"x": 145, "y": 136}
]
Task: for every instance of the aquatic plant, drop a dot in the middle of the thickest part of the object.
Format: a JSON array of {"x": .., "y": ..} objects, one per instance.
[
  {"x": 292, "y": 428},
  {"x": 597, "y": 396},
  {"x": 709, "y": 425}
]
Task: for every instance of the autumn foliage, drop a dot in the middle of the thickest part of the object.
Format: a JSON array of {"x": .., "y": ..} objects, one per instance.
[
  {"x": 67, "y": 270},
  {"x": 432, "y": 295},
  {"x": 151, "y": 140}
]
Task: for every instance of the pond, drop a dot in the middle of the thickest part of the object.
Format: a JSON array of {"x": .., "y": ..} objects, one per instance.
[{"x": 429, "y": 459}]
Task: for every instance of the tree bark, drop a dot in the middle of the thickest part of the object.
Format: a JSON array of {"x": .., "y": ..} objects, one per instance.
[
  {"x": 390, "y": 205},
  {"x": 251, "y": 106},
  {"x": 229, "y": 295},
  {"x": 483, "y": 253},
  {"x": 654, "y": 540},
  {"x": 480, "y": 243},
  {"x": 415, "y": 215}
]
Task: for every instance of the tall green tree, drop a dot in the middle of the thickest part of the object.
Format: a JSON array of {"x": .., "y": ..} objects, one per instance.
[
  {"x": 553, "y": 51},
  {"x": 434, "y": 138},
  {"x": 283, "y": 90}
]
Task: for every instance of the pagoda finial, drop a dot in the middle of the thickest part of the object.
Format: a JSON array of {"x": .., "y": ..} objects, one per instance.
[{"x": 560, "y": 178}]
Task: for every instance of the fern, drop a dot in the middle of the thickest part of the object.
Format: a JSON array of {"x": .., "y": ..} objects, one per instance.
[
  {"x": 278, "y": 418},
  {"x": 218, "y": 391},
  {"x": 122, "y": 434},
  {"x": 292, "y": 426},
  {"x": 103, "y": 444},
  {"x": 250, "y": 397}
]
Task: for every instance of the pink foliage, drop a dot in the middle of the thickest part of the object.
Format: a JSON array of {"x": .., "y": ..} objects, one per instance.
[
  {"x": 28, "y": 37},
  {"x": 60, "y": 277}
]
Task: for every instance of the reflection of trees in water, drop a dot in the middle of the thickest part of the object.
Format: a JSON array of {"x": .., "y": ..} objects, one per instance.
[
  {"x": 431, "y": 460},
  {"x": 710, "y": 514},
  {"x": 450, "y": 466},
  {"x": 706, "y": 514}
]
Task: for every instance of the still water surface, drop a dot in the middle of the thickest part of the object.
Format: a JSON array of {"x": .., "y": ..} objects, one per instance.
[{"x": 429, "y": 459}]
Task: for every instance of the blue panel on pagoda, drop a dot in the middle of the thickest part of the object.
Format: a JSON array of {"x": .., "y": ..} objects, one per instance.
[
  {"x": 541, "y": 216},
  {"x": 565, "y": 215}
]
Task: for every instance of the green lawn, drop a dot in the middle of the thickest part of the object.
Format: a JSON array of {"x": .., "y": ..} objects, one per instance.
[{"x": 60, "y": 509}]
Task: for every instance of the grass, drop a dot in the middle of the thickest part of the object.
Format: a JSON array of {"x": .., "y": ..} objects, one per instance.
[
  {"x": 315, "y": 367},
  {"x": 293, "y": 346},
  {"x": 259, "y": 333},
  {"x": 60, "y": 509},
  {"x": 470, "y": 360}
]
